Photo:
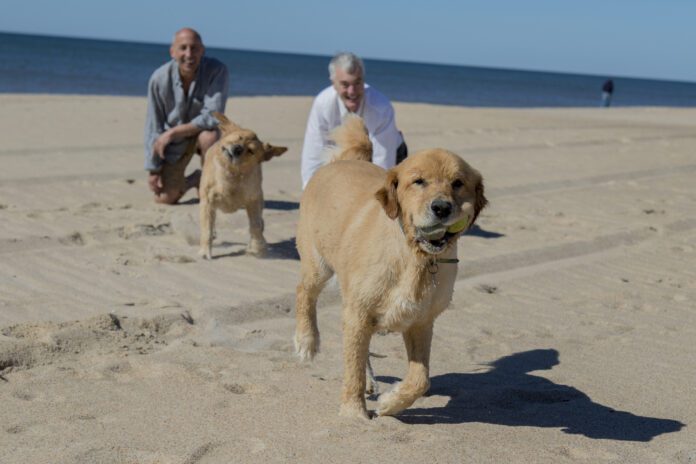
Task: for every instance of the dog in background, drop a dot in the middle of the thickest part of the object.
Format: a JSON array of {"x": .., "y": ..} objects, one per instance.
[
  {"x": 232, "y": 180},
  {"x": 391, "y": 239}
]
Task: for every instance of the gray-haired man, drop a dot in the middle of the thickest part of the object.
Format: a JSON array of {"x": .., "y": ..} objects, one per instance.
[{"x": 350, "y": 94}]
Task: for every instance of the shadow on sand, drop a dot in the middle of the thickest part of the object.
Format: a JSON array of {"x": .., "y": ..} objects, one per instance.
[
  {"x": 476, "y": 231},
  {"x": 279, "y": 250},
  {"x": 508, "y": 395},
  {"x": 281, "y": 205}
]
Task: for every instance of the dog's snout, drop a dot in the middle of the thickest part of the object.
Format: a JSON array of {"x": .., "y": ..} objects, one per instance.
[
  {"x": 441, "y": 208},
  {"x": 234, "y": 151}
]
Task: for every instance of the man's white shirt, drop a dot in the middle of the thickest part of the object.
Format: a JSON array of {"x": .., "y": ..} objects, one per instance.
[{"x": 328, "y": 112}]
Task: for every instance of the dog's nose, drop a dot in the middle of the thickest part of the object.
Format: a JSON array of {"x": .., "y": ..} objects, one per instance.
[
  {"x": 233, "y": 151},
  {"x": 441, "y": 208}
]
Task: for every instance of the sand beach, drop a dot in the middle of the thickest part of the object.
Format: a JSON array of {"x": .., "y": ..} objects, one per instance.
[{"x": 570, "y": 337}]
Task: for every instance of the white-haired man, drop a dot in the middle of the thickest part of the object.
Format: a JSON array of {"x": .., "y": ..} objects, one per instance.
[{"x": 350, "y": 94}]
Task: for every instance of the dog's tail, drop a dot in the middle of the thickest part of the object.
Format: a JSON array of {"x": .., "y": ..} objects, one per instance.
[{"x": 352, "y": 140}]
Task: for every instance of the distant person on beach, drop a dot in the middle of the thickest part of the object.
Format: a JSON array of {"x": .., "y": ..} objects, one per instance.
[
  {"x": 181, "y": 96},
  {"x": 348, "y": 93},
  {"x": 607, "y": 92}
]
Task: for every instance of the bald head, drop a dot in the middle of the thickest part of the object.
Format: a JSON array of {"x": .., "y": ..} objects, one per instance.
[
  {"x": 187, "y": 50},
  {"x": 187, "y": 31}
]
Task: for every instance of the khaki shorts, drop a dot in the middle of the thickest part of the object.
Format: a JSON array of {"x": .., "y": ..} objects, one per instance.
[{"x": 174, "y": 175}]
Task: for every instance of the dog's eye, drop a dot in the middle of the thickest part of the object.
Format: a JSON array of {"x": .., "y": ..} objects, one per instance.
[
  {"x": 419, "y": 181},
  {"x": 457, "y": 184},
  {"x": 238, "y": 150}
]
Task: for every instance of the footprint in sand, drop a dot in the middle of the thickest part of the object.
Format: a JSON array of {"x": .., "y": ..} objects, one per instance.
[
  {"x": 235, "y": 388},
  {"x": 73, "y": 239},
  {"x": 15, "y": 429},
  {"x": 148, "y": 230}
]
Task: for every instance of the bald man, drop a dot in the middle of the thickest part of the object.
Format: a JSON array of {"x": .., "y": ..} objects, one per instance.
[{"x": 182, "y": 95}]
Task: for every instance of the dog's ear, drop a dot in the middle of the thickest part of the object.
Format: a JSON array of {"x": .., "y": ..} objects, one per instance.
[
  {"x": 480, "y": 200},
  {"x": 225, "y": 125},
  {"x": 269, "y": 151},
  {"x": 387, "y": 195}
]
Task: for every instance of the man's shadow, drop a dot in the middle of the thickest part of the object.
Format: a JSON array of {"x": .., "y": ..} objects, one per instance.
[{"x": 508, "y": 395}]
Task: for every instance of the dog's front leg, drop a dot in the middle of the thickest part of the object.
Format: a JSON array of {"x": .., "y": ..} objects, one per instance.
[
  {"x": 356, "y": 346},
  {"x": 417, "y": 381},
  {"x": 207, "y": 218},
  {"x": 257, "y": 244}
]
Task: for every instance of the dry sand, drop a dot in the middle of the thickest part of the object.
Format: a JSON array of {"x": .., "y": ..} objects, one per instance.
[{"x": 570, "y": 337}]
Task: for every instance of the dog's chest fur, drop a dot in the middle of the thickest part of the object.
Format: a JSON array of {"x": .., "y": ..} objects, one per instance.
[
  {"x": 234, "y": 189},
  {"x": 417, "y": 296}
]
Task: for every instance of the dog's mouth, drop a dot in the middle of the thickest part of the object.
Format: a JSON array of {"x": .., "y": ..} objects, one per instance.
[
  {"x": 435, "y": 245},
  {"x": 436, "y": 238}
]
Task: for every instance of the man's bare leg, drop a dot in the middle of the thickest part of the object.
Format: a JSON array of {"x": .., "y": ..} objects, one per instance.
[{"x": 170, "y": 195}]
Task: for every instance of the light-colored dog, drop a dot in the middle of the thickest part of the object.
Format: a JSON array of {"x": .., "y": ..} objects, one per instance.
[
  {"x": 231, "y": 180},
  {"x": 391, "y": 238},
  {"x": 352, "y": 140}
]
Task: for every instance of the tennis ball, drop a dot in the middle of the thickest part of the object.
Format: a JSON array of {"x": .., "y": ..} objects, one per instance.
[{"x": 458, "y": 226}]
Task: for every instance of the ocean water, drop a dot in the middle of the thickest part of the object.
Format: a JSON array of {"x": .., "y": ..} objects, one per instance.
[{"x": 41, "y": 64}]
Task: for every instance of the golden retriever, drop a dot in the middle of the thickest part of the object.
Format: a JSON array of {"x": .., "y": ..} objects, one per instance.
[
  {"x": 391, "y": 238},
  {"x": 231, "y": 180},
  {"x": 352, "y": 140}
]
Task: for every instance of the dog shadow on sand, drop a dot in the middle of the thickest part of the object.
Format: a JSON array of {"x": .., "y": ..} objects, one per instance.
[
  {"x": 281, "y": 205},
  {"x": 285, "y": 249},
  {"x": 509, "y": 395},
  {"x": 476, "y": 231}
]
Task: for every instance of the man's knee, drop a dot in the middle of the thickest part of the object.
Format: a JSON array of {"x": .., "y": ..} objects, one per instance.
[
  {"x": 206, "y": 139},
  {"x": 168, "y": 197}
]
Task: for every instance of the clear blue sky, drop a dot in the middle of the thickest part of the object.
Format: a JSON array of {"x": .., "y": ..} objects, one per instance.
[{"x": 634, "y": 38}]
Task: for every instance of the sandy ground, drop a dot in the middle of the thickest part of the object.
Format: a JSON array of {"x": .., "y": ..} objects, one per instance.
[{"x": 570, "y": 337}]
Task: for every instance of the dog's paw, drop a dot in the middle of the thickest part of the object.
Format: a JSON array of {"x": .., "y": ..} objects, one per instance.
[
  {"x": 354, "y": 411},
  {"x": 372, "y": 387},
  {"x": 392, "y": 402},
  {"x": 257, "y": 248},
  {"x": 205, "y": 253},
  {"x": 306, "y": 346}
]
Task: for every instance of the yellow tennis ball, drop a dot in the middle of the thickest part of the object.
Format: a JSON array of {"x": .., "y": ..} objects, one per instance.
[{"x": 458, "y": 226}]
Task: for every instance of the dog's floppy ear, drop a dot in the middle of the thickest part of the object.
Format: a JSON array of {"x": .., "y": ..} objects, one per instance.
[
  {"x": 225, "y": 125},
  {"x": 387, "y": 195},
  {"x": 480, "y": 200},
  {"x": 269, "y": 151}
]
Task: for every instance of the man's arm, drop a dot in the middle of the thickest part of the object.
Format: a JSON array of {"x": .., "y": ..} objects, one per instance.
[
  {"x": 385, "y": 137},
  {"x": 154, "y": 126},
  {"x": 314, "y": 143},
  {"x": 215, "y": 98},
  {"x": 179, "y": 132}
]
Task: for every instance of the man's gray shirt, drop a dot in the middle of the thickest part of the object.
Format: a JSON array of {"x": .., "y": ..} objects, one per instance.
[{"x": 168, "y": 106}]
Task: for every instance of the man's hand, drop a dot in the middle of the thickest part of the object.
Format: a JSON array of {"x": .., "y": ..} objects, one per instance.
[
  {"x": 155, "y": 182},
  {"x": 161, "y": 143}
]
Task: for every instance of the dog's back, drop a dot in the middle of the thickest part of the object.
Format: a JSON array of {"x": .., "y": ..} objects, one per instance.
[{"x": 352, "y": 140}]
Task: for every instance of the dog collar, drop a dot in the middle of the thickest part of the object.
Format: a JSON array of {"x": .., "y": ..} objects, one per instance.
[{"x": 433, "y": 265}]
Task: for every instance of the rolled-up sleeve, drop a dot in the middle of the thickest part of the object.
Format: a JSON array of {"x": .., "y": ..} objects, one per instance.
[
  {"x": 214, "y": 99},
  {"x": 154, "y": 125}
]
